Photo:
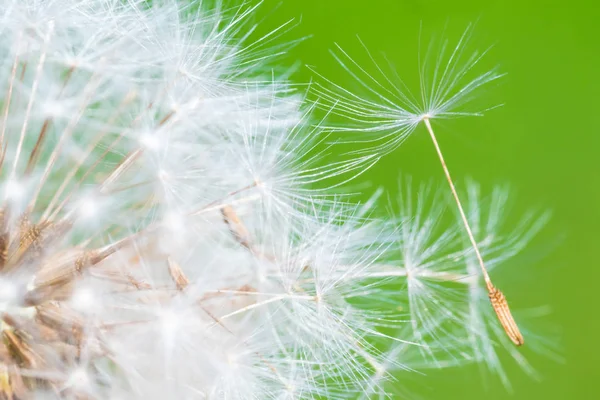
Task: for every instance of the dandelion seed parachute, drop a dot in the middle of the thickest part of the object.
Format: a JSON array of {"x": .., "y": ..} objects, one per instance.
[
  {"x": 383, "y": 112},
  {"x": 429, "y": 272}
]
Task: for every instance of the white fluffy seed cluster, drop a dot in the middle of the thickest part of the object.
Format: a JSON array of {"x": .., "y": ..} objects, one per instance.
[{"x": 159, "y": 238}]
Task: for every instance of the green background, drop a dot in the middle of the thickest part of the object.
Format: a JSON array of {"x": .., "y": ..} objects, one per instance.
[{"x": 544, "y": 142}]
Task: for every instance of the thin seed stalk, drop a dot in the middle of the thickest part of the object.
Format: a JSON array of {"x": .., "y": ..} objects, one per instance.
[{"x": 497, "y": 298}]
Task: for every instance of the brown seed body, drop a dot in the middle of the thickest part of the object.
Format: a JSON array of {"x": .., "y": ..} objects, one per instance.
[
  {"x": 505, "y": 317},
  {"x": 181, "y": 281},
  {"x": 237, "y": 228}
]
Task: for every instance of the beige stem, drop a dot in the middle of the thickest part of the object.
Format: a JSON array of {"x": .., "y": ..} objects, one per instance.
[
  {"x": 463, "y": 216},
  {"x": 499, "y": 303}
]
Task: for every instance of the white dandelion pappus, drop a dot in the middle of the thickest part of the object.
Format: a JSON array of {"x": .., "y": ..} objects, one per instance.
[
  {"x": 498, "y": 246},
  {"x": 385, "y": 112},
  {"x": 427, "y": 270},
  {"x": 302, "y": 288}
]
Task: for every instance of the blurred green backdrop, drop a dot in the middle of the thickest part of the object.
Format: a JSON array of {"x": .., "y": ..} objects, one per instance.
[{"x": 544, "y": 142}]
